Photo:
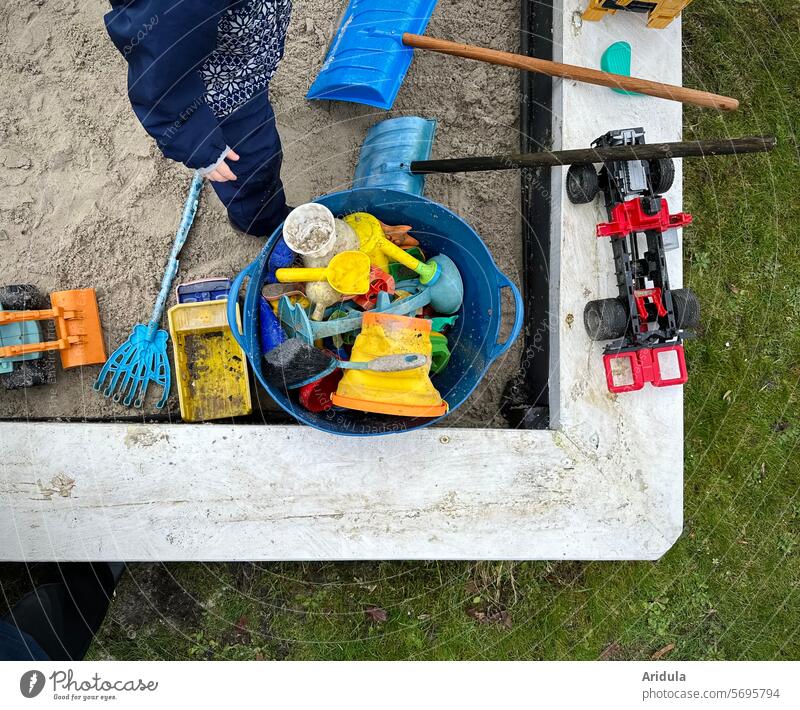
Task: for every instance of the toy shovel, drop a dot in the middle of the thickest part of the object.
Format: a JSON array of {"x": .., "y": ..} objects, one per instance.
[{"x": 346, "y": 273}]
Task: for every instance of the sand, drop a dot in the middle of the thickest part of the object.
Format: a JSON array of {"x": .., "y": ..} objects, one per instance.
[{"x": 88, "y": 201}]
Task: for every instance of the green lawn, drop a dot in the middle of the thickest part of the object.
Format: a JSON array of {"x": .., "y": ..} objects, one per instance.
[{"x": 729, "y": 587}]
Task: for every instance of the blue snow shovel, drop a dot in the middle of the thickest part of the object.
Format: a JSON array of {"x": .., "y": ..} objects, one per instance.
[
  {"x": 142, "y": 358},
  {"x": 373, "y": 48},
  {"x": 367, "y": 61}
]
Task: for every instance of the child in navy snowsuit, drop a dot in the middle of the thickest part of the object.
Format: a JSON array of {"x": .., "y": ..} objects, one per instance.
[{"x": 198, "y": 80}]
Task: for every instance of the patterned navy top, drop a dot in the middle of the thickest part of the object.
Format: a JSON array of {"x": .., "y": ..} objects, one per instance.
[
  {"x": 193, "y": 62},
  {"x": 250, "y": 44}
]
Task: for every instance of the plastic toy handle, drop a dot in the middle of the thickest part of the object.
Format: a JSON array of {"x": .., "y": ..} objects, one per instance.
[
  {"x": 233, "y": 300},
  {"x": 387, "y": 363},
  {"x": 23, "y": 316},
  {"x": 30, "y": 348},
  {"x": 187, "y": 219},
  {"x": 426, "y": 271},
  {"x": 399, "y": 255},
  {"x": 188, "y": 215},
  {"x": 519, "y": 315},
  {"x": 288, "y": 276}
]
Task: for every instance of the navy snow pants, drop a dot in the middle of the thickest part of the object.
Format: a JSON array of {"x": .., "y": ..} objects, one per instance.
[{"x": 255, "y": 200}]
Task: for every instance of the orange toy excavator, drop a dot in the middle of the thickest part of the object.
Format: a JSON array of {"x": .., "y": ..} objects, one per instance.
[
  {"x": 660, "y": 13},
  {"x": 78, "y": 333}
]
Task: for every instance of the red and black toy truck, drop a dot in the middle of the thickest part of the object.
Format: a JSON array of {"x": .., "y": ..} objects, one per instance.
[{"x": 647, "y": 321}]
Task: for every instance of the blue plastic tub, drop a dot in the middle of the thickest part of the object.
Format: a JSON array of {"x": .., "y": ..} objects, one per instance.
[{"x": 473, "y": 339}]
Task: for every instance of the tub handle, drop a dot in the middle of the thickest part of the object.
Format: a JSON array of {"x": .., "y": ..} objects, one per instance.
[
  {"x": 519, "y": 315},
  {"x": 233, "y": 300}
]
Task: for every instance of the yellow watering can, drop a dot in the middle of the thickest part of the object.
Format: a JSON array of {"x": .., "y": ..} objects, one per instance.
[
  {"x": 347, "y": 273},
  {"x": 381, "y": 250}
]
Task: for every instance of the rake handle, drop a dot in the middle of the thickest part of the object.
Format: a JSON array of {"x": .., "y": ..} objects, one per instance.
[
  {"x": 645, "y": 151},
  {"x": 187, "y": 219},
  {"x": 568, "y": 71}
]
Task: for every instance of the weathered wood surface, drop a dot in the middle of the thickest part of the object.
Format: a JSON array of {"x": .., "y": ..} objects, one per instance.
[
  {"x": 251, "y": 492},
  {"x": 641, "y": 432},
  {"x": 607, "y": 484}
]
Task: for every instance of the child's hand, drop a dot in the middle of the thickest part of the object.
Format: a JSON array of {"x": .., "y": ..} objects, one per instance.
[{"x": 222, "y": 173}]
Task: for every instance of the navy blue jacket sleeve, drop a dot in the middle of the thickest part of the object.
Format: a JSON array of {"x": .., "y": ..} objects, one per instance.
[{"x": 165, "y": 42}]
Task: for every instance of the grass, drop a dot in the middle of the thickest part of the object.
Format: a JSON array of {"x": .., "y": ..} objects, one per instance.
[{"x": 729, "y": 587}]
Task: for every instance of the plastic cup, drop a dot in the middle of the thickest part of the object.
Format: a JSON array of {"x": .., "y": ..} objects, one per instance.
[{"x": 310, "y": 230}]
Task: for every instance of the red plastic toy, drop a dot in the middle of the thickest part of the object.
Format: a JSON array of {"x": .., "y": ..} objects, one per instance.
[
  {"x": 316, "y": 396},
  {"x": 647, "y": 319},
  {"x": 378, "y": 281},
  {"x": 645, "y": 366}
]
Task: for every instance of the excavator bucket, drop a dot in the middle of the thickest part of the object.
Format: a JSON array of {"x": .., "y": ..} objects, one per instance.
[{"x": 78, "y": 327}]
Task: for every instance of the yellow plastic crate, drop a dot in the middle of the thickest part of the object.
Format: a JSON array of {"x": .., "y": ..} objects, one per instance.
[{"x": 212, "y": 376}]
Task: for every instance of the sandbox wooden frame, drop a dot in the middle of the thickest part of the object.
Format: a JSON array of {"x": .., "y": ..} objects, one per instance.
[{"x": 605, "y": 482}]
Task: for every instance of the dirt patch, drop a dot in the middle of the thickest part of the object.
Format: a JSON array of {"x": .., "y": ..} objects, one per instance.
[
  {"x": 87, "y": 200},
  {"x": 143, "y": 437},
  {"x": 565, "y": 575},
  {"x": 151, "y": 591}
]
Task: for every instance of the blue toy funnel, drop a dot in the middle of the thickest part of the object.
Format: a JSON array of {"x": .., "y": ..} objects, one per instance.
[
  {"x": 388, "y": 151},
  {"x": 367, "y": 61}
]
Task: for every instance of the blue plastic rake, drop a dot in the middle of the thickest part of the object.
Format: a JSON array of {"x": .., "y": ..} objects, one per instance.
[{"x": 142, "y": 358}]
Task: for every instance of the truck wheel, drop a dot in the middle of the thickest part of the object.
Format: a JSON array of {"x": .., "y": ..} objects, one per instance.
[
  {"x": 30, "y": 373},
  {"x": 662, "y": 175},
  {"x": 605, "y": 319},
  {"x": 22, "y": 297},
  {"x": 582, "y": 183},
  {"x": 687, "y": 309}
]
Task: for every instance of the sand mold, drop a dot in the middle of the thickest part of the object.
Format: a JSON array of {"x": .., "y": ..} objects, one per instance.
[{"x": 87, "y": 199}]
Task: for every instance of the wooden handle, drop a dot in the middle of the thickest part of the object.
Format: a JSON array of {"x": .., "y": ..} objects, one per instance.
[{"x": 569, "y": 71}]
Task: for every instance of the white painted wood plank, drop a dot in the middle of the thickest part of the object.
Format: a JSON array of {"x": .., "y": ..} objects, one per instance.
[
  {"x": 174, "y": 492},
  {"x": 649, "y": 423},
  {"x": 606, "y": 485},
  {"x": 642, "y": 430},
  {"x": 582, "y": 113}
]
